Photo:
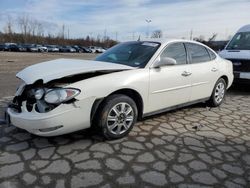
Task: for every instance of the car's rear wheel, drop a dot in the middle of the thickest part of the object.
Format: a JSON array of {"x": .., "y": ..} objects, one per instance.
[
  {"x": 218, "y": 94},
  {"x": 117, "y": 116}
]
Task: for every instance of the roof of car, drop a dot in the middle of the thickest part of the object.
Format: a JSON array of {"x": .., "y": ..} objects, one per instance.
[
  {"x": 165, "y": 41},
  {"x": 245, "y": 28},
  {"x": 168, "y": 40}
]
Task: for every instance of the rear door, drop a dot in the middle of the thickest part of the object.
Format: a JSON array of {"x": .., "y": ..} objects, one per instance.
[{"x": 204, "y": 70}]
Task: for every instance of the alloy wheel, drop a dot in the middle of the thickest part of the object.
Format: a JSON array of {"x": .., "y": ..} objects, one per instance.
[
  {"x": 120, "y": 118},
  {"x": 219, "y": 92}
]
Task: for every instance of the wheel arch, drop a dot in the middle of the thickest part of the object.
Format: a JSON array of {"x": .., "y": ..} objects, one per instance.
[
  {"x": 224, "y": 77},
  {"x": 133, "y": 94}
]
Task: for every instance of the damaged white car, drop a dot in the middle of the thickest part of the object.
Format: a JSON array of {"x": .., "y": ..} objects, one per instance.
[{"x": 128, "y": 82}]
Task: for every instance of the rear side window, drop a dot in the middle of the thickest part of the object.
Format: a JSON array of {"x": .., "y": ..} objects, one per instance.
[
  {"x": 176, "y": 51},
  {"x": 197, "y": 53},
  {"x": 212, "y": 55}
]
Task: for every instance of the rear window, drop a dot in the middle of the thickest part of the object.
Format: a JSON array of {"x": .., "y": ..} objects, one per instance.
[
  {"x": 197, "y": 53},
  {"x": 212, "y": 55}
]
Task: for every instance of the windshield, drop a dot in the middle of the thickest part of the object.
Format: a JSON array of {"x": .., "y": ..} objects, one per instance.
[
  {"x": 240, "y": 41},
  {"x": 134, "y": 54}
]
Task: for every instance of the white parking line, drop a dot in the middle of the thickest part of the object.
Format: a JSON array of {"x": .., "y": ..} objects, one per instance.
[{"x": 7, "y": 98}]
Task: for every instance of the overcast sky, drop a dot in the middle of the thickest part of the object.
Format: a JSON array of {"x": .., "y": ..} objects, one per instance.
[{"x": 126, "y": 18}]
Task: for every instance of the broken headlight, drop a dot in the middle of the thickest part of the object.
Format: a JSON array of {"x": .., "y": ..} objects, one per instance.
[
  {"x": 59, "y": 95},
  {"x": 39, "y": 93}
]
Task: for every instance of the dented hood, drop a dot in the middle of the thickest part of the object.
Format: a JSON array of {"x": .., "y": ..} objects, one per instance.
[{"x": 55, "y": 69}]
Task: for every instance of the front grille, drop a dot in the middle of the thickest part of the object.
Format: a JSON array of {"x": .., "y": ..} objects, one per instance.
[{"x": 241, "y": 65}]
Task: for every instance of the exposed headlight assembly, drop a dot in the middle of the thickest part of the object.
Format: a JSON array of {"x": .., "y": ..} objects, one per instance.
[
  {"x": 39, "y": 93},
  {"x": 60, "y": 95}
]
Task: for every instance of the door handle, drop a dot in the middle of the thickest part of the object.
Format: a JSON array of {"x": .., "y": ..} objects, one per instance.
[
  {"x": 185, "y": 73},
  {"x": 214, "y": 69}
]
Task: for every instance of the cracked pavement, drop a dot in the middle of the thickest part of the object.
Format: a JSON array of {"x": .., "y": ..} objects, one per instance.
[{"x": 189, "y": 147}]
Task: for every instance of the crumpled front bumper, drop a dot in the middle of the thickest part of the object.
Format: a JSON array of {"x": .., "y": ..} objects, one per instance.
[{"x": 65, "y": 118}]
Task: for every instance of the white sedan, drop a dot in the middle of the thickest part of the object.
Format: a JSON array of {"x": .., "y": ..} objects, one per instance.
[{"x": 126, "y": 83}]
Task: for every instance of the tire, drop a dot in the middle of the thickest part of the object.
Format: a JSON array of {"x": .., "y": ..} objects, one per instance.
[
  {"x": 111, "y": 118},
  {"x": 218, "y": 93}
]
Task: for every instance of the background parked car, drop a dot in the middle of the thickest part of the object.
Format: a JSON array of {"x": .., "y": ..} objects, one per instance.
[
  {"x": 52, "y": 48},
  {"x": 11, "y": 47},
  {"x": 77, "y": 48},
  {"x": 21, "y": 48},
  {"x": 93, "y": 49},
  {"x": 66, "y": 49},
  {"x": 31, "y": 47},
  {"x": 85, "y": 49},
  {"x": 3, "y": 47},
  {"x": 42, "y": 48},
  {"x": 238, "y": 51},
  {"x": 100, "y": 50},
  {"x": 96, "y": 49}
]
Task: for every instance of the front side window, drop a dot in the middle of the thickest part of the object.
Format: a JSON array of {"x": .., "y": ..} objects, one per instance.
[
  {"x": 134, "y": 54},
  {"x": 197, "y": 53},
  {"x": 176, "y": 51},
  {"x": 240, "y": 41}
]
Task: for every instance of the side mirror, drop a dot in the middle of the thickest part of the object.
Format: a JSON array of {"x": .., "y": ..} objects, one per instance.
[{"x": 165, "y": 61}]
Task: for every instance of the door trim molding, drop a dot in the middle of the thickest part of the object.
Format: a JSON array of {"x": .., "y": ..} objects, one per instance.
[
  {"x": 171, "y": 89},
  {"x": 199, "y": 83}
]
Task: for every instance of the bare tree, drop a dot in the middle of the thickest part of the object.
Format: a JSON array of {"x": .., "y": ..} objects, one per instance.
[
  {"x": 40, "y": 29},
  {"x": 213, "y": 37},
  {"x": 9, "y": 25},
  {"x": 24, "y": 22},
  {"x": 63, "y": 31},
  {"x": 201, "y": 38},
  {"x": 157, "y": 34},
  {"x": 33, "y": 26}
]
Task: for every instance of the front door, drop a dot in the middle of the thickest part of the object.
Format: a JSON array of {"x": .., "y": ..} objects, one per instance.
[{"x": 170, "y": 85}]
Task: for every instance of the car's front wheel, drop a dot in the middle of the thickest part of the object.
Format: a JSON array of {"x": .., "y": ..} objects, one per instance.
[
  {"x": 218, "y": 94},
  {"x": 117, "y": 116}
]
